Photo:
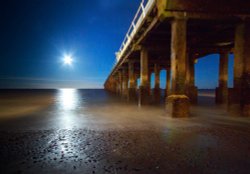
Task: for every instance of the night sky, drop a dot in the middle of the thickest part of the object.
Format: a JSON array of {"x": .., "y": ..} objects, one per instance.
[{"x": 35, "y": 34}]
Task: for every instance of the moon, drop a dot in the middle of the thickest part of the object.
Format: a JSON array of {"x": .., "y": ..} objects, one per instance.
[{"x": 67, "y": 60}]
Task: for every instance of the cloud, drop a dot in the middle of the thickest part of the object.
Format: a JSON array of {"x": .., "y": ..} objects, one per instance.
[{"x": 29, "y": 82}]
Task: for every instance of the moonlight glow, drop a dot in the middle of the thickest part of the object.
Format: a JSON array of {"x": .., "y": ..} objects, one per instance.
[{"x": 67, "y": 60}]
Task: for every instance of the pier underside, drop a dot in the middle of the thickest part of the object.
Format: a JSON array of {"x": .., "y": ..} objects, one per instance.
[{"x": 173, "y": 35}]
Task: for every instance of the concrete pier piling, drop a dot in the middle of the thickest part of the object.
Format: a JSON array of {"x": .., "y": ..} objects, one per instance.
[
  {"x": 222, "y": 90},
  {"x": 239, "y": 100},
  {"x": 178, "y": 102},
  {"x": 144, "y": 91},
  {"x": 132, "y": 82},
  {"x": 157, "y": 90}
]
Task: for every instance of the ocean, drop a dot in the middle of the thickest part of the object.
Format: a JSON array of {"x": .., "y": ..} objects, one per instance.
[
  {"x": 72, "y": 108},
  {"x": 50, "y": 108}
]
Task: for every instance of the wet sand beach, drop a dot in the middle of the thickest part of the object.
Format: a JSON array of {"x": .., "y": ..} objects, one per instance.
[{"x": 92, "y": 131}]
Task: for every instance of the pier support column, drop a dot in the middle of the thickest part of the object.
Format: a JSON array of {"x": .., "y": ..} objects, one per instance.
[
  {"x": 124, "y": 82},
  {"x": 222, "y": 90},
  {"x": 191, "y": 91},
  {"x": 149, "y": 84},
  {"x": 144, "y": 78},
  {"x": 119, "y": 86},
  {"x": 168, "y": 84},
  {"x": 116, "y": 84},
  {"x": 132, "y": 82},
  {"x": 177, "y": 104},
  {"x": 136, "y": 81},
  {"x": 157, "y": 90},
  {"x": 111, "y": 85},
  {"x": 239, "y": 96},
  {"x": 106, "y": 86}
]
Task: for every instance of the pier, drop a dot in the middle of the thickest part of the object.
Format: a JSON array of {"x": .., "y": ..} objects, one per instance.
[{"x": 172, "y": 35}]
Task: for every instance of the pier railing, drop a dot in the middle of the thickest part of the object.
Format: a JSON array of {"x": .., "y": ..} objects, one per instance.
[{"x": 140, "y": 15}]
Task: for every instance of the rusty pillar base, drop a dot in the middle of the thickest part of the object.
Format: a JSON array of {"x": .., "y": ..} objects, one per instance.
[
  {"x": 132, "y": 94},
  {"x": 246, "y": 94},
  {"x": 221, "y": 96},
  {"x": 239, "y": 110},
  {"x": 178, "y": 106},
  {"x": 144, "y": 96},
  {"x": 234, "y": 101},
  {"x": 167, "y": 93},
  {"x": 157, "y": 95},
  {"x": 192, "y": 94},
  {"x": 239, "y": 101},
  {"x": 218, "y": 96},
  {"x": 125, "y": 93},
  {"x": 246, "y": 110}
]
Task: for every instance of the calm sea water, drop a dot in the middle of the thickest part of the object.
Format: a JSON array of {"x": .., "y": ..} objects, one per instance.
[
  {"x": 59, "y": 108},
  {"x": 72, "y": 108}
]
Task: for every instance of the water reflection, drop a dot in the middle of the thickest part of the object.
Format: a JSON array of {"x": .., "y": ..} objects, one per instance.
[
  {"x": 68, "y": 104},
  {"x": 68, "y": 99}
]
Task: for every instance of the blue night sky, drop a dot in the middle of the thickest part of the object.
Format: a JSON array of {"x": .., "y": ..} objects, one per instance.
[{"x": 35, "y": 34}]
